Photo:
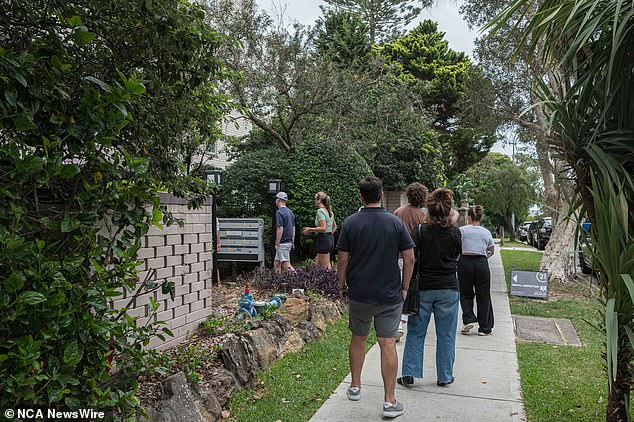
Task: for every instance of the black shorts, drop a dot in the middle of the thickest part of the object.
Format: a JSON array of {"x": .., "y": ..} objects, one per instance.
[{"x": 325, "y": 242}]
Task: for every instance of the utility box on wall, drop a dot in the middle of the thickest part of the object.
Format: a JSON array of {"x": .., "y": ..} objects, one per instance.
[{"x": 241, "y": 240}]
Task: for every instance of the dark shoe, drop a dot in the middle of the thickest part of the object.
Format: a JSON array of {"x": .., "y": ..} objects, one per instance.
[
  {"x": 406, "y": 381},
  {"x": 485, "y": 333},
  {"x": 444, "y": 383}
]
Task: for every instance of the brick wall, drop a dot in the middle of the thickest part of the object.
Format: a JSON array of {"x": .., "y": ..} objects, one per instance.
[{"x": 181, "y": 255}]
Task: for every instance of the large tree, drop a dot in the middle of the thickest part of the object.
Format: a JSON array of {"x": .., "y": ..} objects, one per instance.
[
  {"x": 445, "y": 81},
  {"x": 343, "y": 38},
  {"x": 589, "y": 94},
  {"x": 283, "y": 83},
  {"x": 514, "y": 71},
  {"x": 385, "y": 18}
]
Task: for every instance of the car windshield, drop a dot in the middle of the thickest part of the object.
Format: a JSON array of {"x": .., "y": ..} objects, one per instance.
[{"x": 547, "y": 223}]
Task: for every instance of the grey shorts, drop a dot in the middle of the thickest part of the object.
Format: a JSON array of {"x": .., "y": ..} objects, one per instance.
[
  {"x": 283, "y": 253},
  {"x": 386, "y": 318}
]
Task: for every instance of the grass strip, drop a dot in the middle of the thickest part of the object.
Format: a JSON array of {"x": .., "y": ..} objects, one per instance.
[
  {"x": 560, "y": 383},
  {"x": 296, "y": 386}
]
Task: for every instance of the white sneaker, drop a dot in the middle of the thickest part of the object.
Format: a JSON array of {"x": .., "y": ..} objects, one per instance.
[
  {"x": 392, "y": 410},
  {"x": 400, "y": 332},
  {"x": 466, "y": 328},
  {"x": 354, "y": 393}
]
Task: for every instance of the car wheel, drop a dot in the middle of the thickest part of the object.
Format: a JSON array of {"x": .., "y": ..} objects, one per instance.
[{"x": 582, "y": 263}]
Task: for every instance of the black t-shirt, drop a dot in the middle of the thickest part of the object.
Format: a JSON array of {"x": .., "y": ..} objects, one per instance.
[
  {"x": 374, "y": 238},
  {"x": 440, "y": 250}
]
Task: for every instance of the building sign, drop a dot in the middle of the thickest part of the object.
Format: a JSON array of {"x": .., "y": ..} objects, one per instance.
[{"x": 529, "y": 284}]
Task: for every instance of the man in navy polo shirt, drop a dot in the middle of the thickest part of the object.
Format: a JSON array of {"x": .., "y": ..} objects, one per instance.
[{"x": 370, "y": 244}]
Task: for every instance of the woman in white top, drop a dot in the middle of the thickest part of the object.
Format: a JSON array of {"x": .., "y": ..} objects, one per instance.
[{"x": 474, "y": 274}]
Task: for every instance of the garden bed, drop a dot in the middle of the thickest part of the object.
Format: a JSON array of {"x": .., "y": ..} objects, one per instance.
[{"x": 227, "y": 352}]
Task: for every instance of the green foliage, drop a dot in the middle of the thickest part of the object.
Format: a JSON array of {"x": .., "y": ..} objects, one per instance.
[
  {"x": 93, "y": 92},
  {"x": 385, "y": 19},
  {"x": 445, "y": 81},
  {"x": 321, "y": 165},
  {"x": 500, "y": 186},
  {"x": 591, "y": 130},
  {"x": 342, "y": 37},
  {"x": 399, "y": 162},
  {"x": 316, "y": 165}
]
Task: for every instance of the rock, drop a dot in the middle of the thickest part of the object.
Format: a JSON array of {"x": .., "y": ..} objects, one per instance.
[
  {"x": 308, "y": 331},
  {"x": 264, "y": 346},
  {"x": 278, "y": 327},
  {"x": 323, "y": 313},
  {"x": 208, "y": 401},
  {"x": 178, "y": 402},
  {"x": 240, "y": 358},
  {"x": 293, "y": 343},
  {"x": 222, "y": 384},
  {"x": 295, "y": 310}
]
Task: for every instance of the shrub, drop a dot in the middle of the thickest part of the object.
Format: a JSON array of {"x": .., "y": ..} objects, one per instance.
[
  {"x": 316, "y": 165},
  {"x": 322, "y": 165},
  {"x": 314, "y": 279},
  {"x": 78, "y": 190}
]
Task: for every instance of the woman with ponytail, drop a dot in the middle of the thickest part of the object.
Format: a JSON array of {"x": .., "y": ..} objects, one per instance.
[
  {"x": 438, "y": 244},
  {"x": 474, "y": 274},
  {"x": 325, "y": 227}
]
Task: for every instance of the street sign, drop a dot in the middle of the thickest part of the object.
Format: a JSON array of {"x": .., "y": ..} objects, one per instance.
[{"x": 529, "y": 284}]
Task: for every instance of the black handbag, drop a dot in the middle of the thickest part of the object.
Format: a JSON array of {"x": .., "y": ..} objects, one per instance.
[{"x": 411, "y": 304}]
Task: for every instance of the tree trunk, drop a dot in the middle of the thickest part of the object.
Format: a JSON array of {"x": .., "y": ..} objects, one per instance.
[
  {"x": 559, "y": 255},
  {"x": 509, "y": 228}
]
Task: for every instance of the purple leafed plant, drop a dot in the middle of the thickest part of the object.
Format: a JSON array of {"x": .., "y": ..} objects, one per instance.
[{"x": 314, "y": 278}]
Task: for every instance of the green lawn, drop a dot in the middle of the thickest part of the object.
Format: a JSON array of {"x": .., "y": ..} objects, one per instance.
[
  {"x": 294, "y": 387},
  {"x": 516, "y": 244},
  {"x": 560, "y": 383}
]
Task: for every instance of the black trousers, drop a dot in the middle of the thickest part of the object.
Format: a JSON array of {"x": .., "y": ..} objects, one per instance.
[{"x": 475, "y": 282}]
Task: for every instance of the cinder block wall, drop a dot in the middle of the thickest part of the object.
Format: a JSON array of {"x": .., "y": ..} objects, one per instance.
[{"x": 181, "y": 255}]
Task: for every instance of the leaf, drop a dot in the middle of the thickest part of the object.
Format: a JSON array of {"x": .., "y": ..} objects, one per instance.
[
  {"x": 69, "y": 170},
  {"x": 74, "y": 21},
  {"x": 69, "y": 223},
  {"x": 134, "y": 87},
  {"x": 14, "y": 283},
  {"x": 20, "y": 78},
  {"x": 54, "y": 392},
  {"x": 24, "y": 123},
  {"x": 31, "y": 298},
  {"x": 73, "y": 353},
  {"x": 73, "y": 403},
  {"x": 11, "y": 94},
  {"x": 84, "y": 37},
  {"x": 99, "y": 82}
]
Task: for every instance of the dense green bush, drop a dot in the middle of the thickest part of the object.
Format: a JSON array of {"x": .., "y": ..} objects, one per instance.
[
  {"x": 78, "y": 182},
  {"x": 322, "y": 165},
  {"x": 316, "y": 165}
]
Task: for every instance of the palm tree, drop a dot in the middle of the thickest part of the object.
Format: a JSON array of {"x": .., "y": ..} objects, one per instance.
[{"x": 588, "y": 46}]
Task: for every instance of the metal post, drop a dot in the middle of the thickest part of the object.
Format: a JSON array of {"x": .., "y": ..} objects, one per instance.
[
  {"x": 273, "y": 232},
  {"x": 214, "y": 229}
]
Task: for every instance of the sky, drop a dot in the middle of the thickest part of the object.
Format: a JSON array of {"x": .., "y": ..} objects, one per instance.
[{"x": 446, "y": 13}]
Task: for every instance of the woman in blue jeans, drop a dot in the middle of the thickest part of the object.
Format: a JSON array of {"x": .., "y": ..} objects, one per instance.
[{"x": 440, "y": 246}]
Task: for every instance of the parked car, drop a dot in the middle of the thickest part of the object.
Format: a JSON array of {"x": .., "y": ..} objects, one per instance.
[
  {"x": 531, "y": 234},
  {"x": 522, "y": 231},
  {"x": 584, "y": 251},
  {"x": 542, "y": 235}
]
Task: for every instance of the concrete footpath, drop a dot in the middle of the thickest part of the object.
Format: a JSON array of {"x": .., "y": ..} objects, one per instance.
[{"x": 487, "y": 386}]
